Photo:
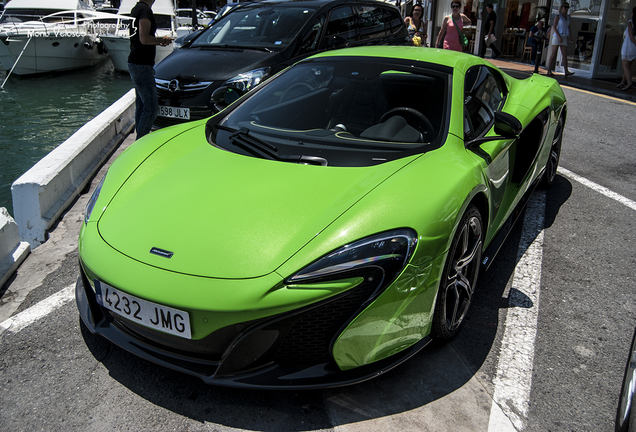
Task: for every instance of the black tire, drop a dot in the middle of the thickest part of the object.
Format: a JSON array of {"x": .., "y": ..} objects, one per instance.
[
  {"x": 555, "y": 154},
  {"x": 459, "y": 279}
]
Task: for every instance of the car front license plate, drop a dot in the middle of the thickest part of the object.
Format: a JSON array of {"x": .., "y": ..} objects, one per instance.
[
  {"x": 144, "y": 312},
  {"x": 174, "y": 112}
]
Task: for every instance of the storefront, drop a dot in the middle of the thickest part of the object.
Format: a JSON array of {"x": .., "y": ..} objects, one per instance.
[
  {"x": 597, "y": 30},
  {"x": 609, "y": 24}
]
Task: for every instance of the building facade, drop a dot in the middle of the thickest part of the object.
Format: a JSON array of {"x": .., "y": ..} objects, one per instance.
[{"x": 597, "y": 28}]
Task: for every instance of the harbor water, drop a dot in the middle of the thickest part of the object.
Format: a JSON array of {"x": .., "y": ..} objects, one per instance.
[{"x": 39, "y": 113}]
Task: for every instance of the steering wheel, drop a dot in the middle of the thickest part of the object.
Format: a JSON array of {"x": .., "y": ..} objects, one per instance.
[
  {"x": 423, "y": 125},
  {"x": 289, "y": 91}
]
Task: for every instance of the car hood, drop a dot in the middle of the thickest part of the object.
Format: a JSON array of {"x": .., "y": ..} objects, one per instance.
[
  {"x": 212, "y": 63},
  {"x": 225, "y": 215}
]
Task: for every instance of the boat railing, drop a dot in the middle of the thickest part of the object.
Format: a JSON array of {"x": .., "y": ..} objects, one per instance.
[{"x": 66, "y": 23}]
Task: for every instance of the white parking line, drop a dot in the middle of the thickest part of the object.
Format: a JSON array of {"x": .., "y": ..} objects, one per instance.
[
  {"x": 598, "y": 188},
  {"x": 513, "y": 379},
  {"x": 37, "y": 311}
]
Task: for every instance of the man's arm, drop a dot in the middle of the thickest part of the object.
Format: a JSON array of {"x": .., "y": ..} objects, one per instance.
[{"x": 144, "y": 34}]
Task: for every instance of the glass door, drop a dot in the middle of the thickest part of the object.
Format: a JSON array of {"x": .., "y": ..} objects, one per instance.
[
  {"x": 585, "y": 16},
  {"x": 616, "y": 13}
]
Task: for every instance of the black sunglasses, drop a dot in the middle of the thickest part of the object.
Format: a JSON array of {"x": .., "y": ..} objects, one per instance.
[{"x": 455, "y": 6}]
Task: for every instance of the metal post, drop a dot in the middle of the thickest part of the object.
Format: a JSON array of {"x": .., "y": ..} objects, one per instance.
[
  {"x": 479, "y": 37},
  {"x": 195, "y": 23},
  {"x": 16, "y": 63}
]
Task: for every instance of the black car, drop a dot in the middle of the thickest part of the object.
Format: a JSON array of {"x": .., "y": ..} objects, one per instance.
[
  {"x": 257, "y": 40},
  {"x": 626, "y": 414}
]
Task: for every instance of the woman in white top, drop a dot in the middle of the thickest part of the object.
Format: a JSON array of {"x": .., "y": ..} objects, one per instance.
[
  {"x": 628, "y": 54},
  {"x": 559, "y": 40}
]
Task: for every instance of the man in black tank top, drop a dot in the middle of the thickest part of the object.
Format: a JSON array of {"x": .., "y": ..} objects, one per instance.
[{"x": 141, "y": 61}]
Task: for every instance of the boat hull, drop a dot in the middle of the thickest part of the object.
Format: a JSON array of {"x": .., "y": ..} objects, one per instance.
[
  {"x": 119, "y": 48},
  {"x": 48, "y": 53}
]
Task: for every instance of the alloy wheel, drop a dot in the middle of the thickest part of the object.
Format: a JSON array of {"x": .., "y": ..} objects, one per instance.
[
  {"x": 460, "y": 276},
  {"x": 555, "y": 155}
]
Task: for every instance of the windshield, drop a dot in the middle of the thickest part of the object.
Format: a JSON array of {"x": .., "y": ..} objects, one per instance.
[
  {"x": 256, "y": 26},
  {"x": 348, "y": 111},
  {"x": 25, "y": 15}
]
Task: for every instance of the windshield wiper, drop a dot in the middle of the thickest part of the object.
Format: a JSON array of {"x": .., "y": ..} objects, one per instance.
[
  {"x": 260, "y": 49},
  {"x": 242, "y": 138},
  {"x": 264, "y": 150},
  {"x": 234, "y": 47}
]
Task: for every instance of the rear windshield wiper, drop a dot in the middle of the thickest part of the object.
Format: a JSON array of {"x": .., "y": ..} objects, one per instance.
[{"x": 264, "y": 150}]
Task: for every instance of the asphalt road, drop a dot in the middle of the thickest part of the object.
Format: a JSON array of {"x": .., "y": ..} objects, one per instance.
[{"x": 544, "y": 348}]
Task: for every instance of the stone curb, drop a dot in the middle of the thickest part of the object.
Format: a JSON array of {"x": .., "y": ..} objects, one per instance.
[{"x": 41, "y": 195}]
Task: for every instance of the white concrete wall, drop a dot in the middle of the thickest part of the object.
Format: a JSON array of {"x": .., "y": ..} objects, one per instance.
[
  {"x": 12, "y": 250},
  {"x": 43, "y": 193}
]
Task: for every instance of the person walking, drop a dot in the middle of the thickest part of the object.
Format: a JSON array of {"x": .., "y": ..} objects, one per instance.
[
  {"x": 536, "y": 36},
  {"x": 415, "y": 23},
  {"x": 452, "y": 28},
  {"x": 559, "y": 39},
  {"x": 141, "y": 62},
  {"x": 628, "y": 54},
  {"x": 488, "y": 31}
]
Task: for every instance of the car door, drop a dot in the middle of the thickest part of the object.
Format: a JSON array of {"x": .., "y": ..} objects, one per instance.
[
  {"x": 310, "y": 41},
  {"x": 335, "y": 29},
  {"x": 484, "y": 94},
  {"x": 372, "y": 24},
  {"x": 341, "y": 27}
]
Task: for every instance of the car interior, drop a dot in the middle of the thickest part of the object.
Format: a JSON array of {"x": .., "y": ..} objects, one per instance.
[{"x": 393, "y": 106}]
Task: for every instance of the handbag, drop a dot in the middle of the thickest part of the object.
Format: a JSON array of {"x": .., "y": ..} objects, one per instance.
[
  {"x": 462, "y": 37},
  {"x": 490, "y": 39}
]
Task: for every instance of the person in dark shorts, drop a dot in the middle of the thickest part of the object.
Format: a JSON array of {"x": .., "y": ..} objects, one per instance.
[{"x": 141, "y": 61}]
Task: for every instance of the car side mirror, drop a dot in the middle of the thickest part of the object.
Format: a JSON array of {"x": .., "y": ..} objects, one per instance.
[
  {"x": 506, "y": 127},
  {"x": 336, "y": 42},
  {"x": 224, "y": 96}
]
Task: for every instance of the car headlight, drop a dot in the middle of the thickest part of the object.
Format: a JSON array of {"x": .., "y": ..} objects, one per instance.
[
  {"x": 91, "y": 202},
  {"x": 248, "y": 80},
  {"x": 388, "y": 252}
]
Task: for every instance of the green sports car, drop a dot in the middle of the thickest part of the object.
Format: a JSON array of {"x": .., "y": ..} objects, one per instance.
[{"x": 324, "y": 227}]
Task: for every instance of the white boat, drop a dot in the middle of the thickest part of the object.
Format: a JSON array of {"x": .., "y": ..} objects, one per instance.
[
  {"x": 118, "y": 45},
  {"x": 184, "y": 17},
  {"x": 38, "y": 36}
]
